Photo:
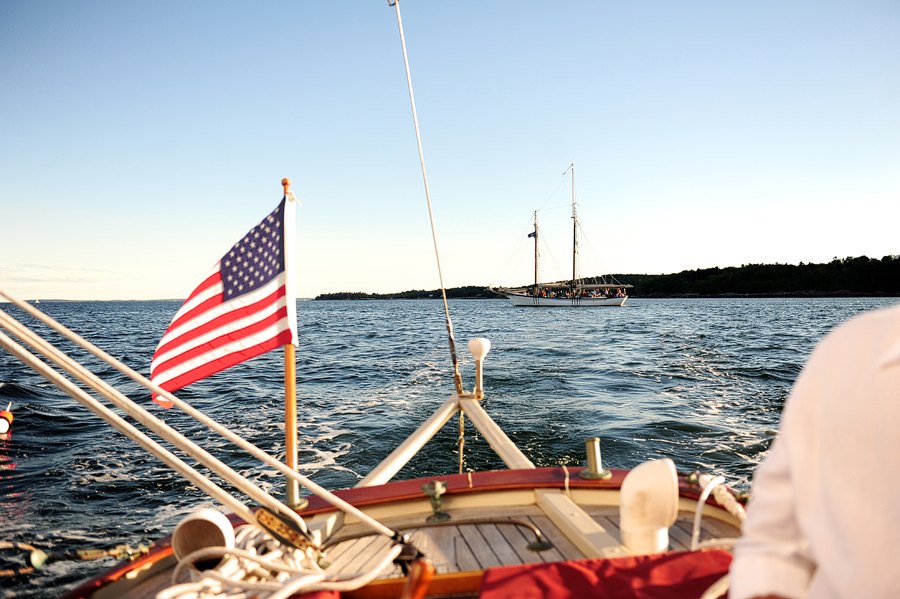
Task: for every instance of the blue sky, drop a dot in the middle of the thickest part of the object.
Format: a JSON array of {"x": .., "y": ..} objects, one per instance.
[{"x": 139, "y": 141}]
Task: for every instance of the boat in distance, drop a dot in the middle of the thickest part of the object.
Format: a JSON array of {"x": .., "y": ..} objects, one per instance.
[
  {"x": 579, "y": 292},
  {"x": 614, "y": 297}
]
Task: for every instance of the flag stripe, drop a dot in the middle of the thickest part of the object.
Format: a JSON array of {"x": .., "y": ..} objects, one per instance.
[
  {"x": 209, "y": 288},
  {"x": 221, "y": 333},
  {"x": 219, "y": 312},
  {"x": 225, "y": 357},
  {"x": 211, "y": 298}
]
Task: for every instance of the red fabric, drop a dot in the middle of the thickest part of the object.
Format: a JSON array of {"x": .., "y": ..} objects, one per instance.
[
  {"x": 320, "y": 595},
  {"x": 676, "y": 575}
]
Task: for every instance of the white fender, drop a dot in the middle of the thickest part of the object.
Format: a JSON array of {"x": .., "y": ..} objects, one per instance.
[{"x": 648, "y": 506}]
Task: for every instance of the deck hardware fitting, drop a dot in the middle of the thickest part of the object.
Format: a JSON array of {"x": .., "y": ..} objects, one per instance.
[
  {"x": 595, "y": 469},
  {"x": 539, "y": 543},
  {"x": 479, "y": 348},
  {"x": 283, "y": 530},
  {"x": 409, "y": 554},
  {"x": 434, "y": 490}
]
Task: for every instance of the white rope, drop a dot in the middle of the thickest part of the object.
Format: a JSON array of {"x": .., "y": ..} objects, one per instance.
[
  {"x": 727, "y": 500},
  {"x": 257, "y": 563},
  {"x": 259, "y": 566}
]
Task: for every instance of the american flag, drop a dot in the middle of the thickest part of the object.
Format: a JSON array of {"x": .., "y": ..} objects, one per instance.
[{"x": 246, "y": 306}]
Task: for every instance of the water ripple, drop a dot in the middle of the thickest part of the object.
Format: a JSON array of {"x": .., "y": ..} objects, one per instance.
[{"x": 700, "y": 381}]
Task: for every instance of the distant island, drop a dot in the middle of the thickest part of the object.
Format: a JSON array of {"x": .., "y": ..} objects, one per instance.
[
  {"x": 469, "y": 292},
  {"x": 861, "y": 276}
]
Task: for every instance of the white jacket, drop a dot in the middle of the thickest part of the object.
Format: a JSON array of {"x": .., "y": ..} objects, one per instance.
[{"x": 824, "y": 519}]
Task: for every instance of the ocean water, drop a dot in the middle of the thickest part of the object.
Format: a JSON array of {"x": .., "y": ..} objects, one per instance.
[{"x": 700, "y": 381}]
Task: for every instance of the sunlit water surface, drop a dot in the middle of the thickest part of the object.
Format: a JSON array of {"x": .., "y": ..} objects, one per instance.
[{"x": 700, "y": 381}]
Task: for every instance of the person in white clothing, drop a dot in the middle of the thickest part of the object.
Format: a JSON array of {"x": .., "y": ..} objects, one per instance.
[{"x": 824, "y": 518}]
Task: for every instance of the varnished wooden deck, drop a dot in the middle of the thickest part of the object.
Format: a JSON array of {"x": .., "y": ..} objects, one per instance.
[
  {"x": 460, "y": 548},
  {"x": 456, "y": 547}
]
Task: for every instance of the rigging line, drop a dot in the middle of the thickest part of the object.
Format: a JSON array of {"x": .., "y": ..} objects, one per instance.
[
  {"x": 519, "y": 265},
  {"x": 569, "y": 205},
  {"x": 596, "y": 255},
  {"x": 546, "y": 247},
  {"x": 521, "y": 240},
  {"x": 507, "y": 270},
  {"x": 457, "y": 379},
  {"x": 512, "y": 253},
  {"x": 563, "y": 180},
  {"x": 588, "y": 257}
]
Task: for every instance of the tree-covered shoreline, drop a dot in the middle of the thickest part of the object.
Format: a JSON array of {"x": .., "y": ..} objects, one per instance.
[
  {"x": 860, "y": 276},
  {"x": 468, "y": 292}
]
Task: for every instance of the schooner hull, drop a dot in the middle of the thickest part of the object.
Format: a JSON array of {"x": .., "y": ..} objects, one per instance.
[{"x": 580, "y": 302}]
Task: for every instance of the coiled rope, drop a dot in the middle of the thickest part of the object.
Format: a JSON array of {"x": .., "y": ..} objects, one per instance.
[{"x": 260, "y": 566}]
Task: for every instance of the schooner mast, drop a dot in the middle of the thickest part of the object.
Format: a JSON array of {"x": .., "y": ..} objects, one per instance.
[
  {"x": 537, "y": 255},
  {"x": 574, "y": 230}
]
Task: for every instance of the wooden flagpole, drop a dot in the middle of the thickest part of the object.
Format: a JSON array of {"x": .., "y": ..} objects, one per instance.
[
  {"x": 292, "y": 493},
  {"x": 290, "y": 424}
]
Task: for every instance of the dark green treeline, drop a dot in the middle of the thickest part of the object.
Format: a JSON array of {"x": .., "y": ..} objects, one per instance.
[
  {"x": 862, "y": 276},
  {"x": 469, "y": 292}
]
